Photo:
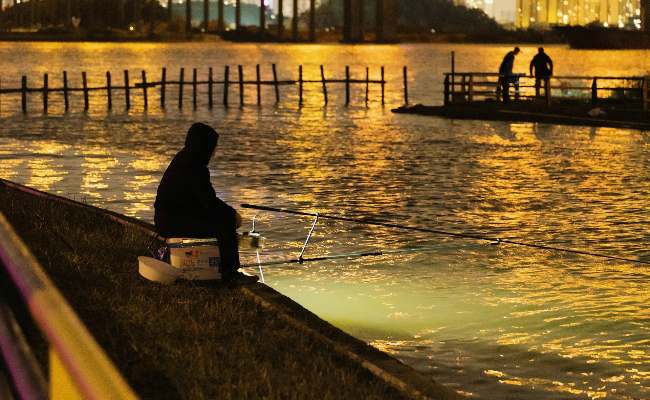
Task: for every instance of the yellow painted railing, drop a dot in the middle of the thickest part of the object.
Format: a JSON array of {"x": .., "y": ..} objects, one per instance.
[{"x": 79, "y": 368}]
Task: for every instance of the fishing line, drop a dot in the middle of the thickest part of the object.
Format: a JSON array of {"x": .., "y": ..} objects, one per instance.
[
  {"x": 370, "y": 253},
  {"x": 367, "y": 221}
]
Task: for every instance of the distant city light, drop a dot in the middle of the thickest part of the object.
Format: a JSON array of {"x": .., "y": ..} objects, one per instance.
[{"x": 619, "y": 13}]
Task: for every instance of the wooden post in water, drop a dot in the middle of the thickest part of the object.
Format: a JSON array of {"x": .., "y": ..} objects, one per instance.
[
  {"x": 406, "y": 85},
  {"x": 275, "y": 84},
  {"x": 347, "y": 85},
  {"x": 383, "y": 86},
  {"x": 45, "y": 93},
  {"x": 300, "y": 84},
  {"x": 109, "y": 90},
  {"x": 194, "y": 84},
  {"x": 181, "y": 82},
  {"x": 210, "y": 88},
  {"x": 240, "y": 69},
  {"x": 127, "y": 92},
  {"x": 594, "y": 91},
  {"x": 257, "y": 82},
  {"x": 163, "y": 87},
  {"x": 24, "y": 94},
  {"x": 84, "y": 82},
  {"x": 547, "y": 91},
  {"x": 66, "y": 100},
  {"x": 145, "y": 94},
  {"x": 226, "y": 78},
  {"x": 367, "y": 85},
  {"x": 322, "y": 77},
  {"x": 446, "y": 99}
]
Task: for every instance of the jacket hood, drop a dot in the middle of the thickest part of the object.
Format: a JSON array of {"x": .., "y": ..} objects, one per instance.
[{"x": 200, "y": 143}]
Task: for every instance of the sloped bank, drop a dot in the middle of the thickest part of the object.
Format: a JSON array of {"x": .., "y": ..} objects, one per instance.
[{"x": 193, "y": 340}]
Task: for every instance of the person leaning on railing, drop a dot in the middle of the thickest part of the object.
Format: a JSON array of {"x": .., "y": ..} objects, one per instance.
[
  {"x": 543, "y": 66},
  {"x": 506, "y": 77}
]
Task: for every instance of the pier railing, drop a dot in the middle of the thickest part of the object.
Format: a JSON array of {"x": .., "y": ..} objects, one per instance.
[
  {"x": 226, "y": 82},
  {"x": 29, "y": 303},
  {"x": 467, "y": 87}
]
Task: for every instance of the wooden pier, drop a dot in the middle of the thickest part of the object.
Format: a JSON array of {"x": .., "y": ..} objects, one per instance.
[
  {"x": 468, "y": 87},
  {"x": 597, "y": 101},
  {"x": 46, "y": 90}
]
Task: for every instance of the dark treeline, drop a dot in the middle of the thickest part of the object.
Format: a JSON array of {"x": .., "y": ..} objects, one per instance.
[
  {"x": 149, "y": 15},
  {"x": 90, "y": 15},
  {"x": 416, "y": 16}
]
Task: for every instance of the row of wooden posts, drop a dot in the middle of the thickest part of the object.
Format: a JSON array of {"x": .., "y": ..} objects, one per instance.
[{"x": 145, "y": 85}]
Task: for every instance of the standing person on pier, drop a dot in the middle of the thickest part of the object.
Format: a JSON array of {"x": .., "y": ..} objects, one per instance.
[
  {"x": 506, "y": 77},
  {"x": 187, "y": 205},
  {"x": 543, "y": 66}
]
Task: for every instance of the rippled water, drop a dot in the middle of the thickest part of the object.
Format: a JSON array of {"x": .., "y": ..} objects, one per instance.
[{"x": 494, "y": 321}]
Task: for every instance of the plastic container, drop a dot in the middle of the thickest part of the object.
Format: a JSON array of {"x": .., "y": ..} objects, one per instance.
[{"x": 196, "y": 258}]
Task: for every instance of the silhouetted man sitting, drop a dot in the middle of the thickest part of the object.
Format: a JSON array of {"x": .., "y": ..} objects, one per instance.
[
  {"x": 187, "y": 205},
  {"x": 543, "y": 66},
  {"x": 506, "y": 76}
]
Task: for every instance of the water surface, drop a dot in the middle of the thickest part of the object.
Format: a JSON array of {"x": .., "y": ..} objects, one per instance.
[{"x": 494, "y": 321}]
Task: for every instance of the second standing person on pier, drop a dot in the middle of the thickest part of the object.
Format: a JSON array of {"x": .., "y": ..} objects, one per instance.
[
  {"x": 506, "y": 76},
  {"x": 543, "y": 66}
]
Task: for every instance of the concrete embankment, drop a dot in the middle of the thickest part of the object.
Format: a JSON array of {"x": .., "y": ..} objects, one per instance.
[
  {"x": 562, "y": 113},
  {"x": 191, "y": 340}
]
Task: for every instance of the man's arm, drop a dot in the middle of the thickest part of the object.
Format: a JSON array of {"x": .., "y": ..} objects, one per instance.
[
  {"x": 209, "y": 202},
  {"x": 550, "y": 63}
]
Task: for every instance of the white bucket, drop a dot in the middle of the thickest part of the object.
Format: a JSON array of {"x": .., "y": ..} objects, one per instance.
[{"x": 197, "y": 259}]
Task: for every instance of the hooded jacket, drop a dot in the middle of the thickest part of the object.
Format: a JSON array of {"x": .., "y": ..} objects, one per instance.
[{"x": 185, "y": 195}]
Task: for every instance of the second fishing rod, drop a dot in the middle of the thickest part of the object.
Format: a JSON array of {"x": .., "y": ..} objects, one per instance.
[{"x": 495, "y": 240}]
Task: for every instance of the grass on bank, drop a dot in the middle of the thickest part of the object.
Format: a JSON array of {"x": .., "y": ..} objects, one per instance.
[{"x": 186, "y": 340}]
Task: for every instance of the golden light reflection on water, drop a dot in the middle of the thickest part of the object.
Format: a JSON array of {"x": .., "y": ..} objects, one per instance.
[
  {"x": 44, "y": 173},
  {"x": 493, "y": 321},
  {"x": 95, "y": 172},
  {"x": 9, "y": 168}
]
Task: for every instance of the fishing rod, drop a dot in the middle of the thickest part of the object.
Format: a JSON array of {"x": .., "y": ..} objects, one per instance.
[
  {"x": 494, "y": 240},
  {"x": 362, "y": 254}
]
